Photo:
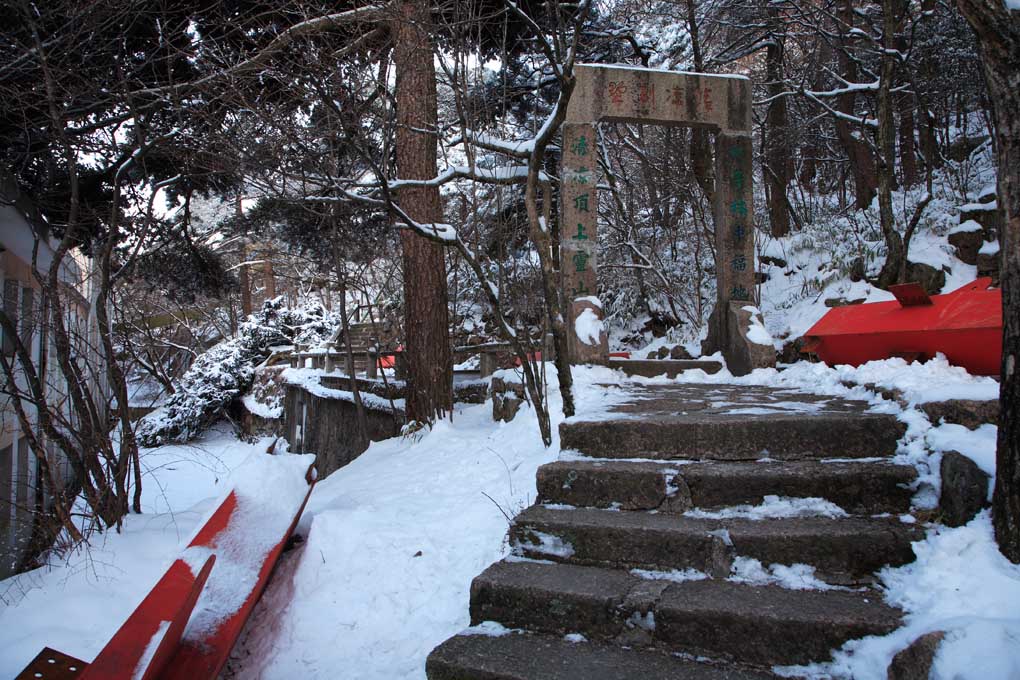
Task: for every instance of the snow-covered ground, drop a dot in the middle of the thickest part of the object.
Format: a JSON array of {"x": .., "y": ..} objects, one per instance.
[{"x": 395, "y": 538}]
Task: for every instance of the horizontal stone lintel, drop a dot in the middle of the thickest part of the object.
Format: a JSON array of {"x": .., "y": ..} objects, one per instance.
[{"x": 660, "y": 97}]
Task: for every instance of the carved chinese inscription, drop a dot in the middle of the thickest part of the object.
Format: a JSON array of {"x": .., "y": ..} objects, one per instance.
[
  {"x": 734, "y": 236},
  {"x": 579, "y": 235},
  {"x": 605, "y": 93}
]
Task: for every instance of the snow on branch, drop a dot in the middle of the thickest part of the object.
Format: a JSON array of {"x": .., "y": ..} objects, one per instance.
[
  {"x": 437, "y": 231},
  {"x": 507, "y": 174},
  {"x": 520, "y": 149}
]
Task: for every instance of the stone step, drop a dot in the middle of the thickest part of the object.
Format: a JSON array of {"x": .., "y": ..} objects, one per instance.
[
  {"x": 714, "y": 618},
  {"x": 520, "y": 656},
  {"x": 859, "y": 488},
  {"x": 845, "y": 551},
  {"x": 779, "y": 436},
  {"x": 671, "y": 368}
]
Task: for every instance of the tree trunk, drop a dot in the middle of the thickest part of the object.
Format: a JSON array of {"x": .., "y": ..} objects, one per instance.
[
  {"x": 701, "y": 151},
  {"x": 426, "y": 324},
  {"x": 244, "y": 279},
  {"x": 908, "y": 147},
  {"x": 777, "y": 155},
  {"x": 862, "y": 164},
  {"x": 896, "y": 256},
  {"x": 269, "y": 276},
  {"x": 998, "y": 34},
  {"x": 908, "y": 153}
]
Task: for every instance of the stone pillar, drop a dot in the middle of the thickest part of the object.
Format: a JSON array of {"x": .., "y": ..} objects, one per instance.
[
  {"x": 734, "y": 219},
  {"x": 372, "y": 354},
  {"x": 330, "y": 363},
  {"x": 734, "y": 248},
  {"x": 579, "y": 239},
  {"x": 486, "y": 364}
]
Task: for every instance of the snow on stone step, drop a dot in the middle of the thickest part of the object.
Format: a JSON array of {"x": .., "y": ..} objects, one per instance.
[
  {"x": 844, "y": 550},
  {"x": 731, "y": 422},
  {"x": 779, "y": 436},
  {"x": 858, "y": 488},
  {"x": 517, "y": 656},
  {"x": 710, "y": 617}
]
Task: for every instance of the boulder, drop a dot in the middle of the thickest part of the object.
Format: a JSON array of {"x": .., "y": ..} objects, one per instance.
[
  {"x": 914, "y": 662},
  {"x": 963, "y": 146},
  {"x": 507, "y": 398},
  {"x": 774, "y": 261},
  {"x": 679, "y": 353},
  {"x": 858, "y": 269},
  {"x": 790, "y": 353},
  {"x": 988, "y": 260},
  {"x": 985, "y": 214},
  {"x": 967, "y": 240},
  {"x": 970, "y": 413},
  {"x": 964, "y": 489},
  {"x": 930, "y": 278}
]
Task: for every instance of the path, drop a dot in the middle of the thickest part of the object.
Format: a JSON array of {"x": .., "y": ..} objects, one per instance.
[{"x": 628, "y": 548}]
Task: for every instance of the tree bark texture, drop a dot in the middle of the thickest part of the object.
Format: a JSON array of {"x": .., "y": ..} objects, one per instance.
[
  {"x": 908, "y": 154},
  {"x": 862, "y": 163},
  {"x": 426, "y": 323},
  {"x": 894, "y": 267},
  {"x": 777, "y": 155},
  {"x": 998, "y": 34}
]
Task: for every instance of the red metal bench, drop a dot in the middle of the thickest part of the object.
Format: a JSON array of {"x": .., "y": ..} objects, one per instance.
[{"x": 150, "y": 644}]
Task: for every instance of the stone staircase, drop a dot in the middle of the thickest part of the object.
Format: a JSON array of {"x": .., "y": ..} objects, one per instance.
[{"x": 623, "y": 569}]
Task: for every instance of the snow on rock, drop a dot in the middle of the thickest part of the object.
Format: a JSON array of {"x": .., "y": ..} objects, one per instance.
[
  {"x": 959, "y": 584},
  {"x": 756, "y": 332},
  {"x": 989, "y": 248},
  {"x": 934, "y": 380},
  {"x": 644, "y": 621},
  {"x": 978, "y": 445},
  {"x": 260, "y": 409},
  {"x": 966, "y": 226},
  {"x": 588, "y": 327},
  {"x": 774, "y": 507}
]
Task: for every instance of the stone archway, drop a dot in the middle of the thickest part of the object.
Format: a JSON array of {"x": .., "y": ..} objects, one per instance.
[{"x": 621, "y": 94}]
